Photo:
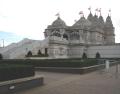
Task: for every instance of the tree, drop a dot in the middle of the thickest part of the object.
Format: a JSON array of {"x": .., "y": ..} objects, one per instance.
[
  {"x": 1, "y": 56},
  {"x": 29, "y": 54},
  {"x": 84, "y": 56},
  {"x": 98, "y": 55}
]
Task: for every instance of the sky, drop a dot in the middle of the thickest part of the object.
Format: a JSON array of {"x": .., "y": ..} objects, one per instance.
[
  {"x": 29, "y": 18},
  {"x": 8, "y": 37}
]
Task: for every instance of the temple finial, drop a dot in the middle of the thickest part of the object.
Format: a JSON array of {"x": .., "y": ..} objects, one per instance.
[
  {"x": 81, "y": 13},
  {"x": 96, "y": 11},
  {"x": 58, "y": 15},
  {"x": 89, "y": 9},
  {"x": 100, "y": 11}
]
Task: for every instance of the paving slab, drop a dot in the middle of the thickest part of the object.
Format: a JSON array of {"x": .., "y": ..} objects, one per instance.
[{"x": 98, "y": 82}]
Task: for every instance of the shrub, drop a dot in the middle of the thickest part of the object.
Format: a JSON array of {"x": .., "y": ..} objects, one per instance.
[
  {"x": 98, "y": 55},
  {"x": 1, "y": 57},
  {"x": 84, "y": 56},
  {"x": 29, "y": 54},
  {"x": 39, "y": 52}
]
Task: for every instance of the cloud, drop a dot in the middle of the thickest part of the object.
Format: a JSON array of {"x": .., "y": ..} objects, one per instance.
[{"x": 29, "y": 18}]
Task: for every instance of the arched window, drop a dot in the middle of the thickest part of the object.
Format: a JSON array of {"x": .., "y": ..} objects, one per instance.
[
  {"x": 56, "y": 33},
  {"x": 65, "y": 36},
  {"x": 74, "y": 36}
]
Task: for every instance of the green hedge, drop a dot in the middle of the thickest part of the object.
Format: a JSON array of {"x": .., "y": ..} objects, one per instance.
[
  {"x": 64, "y": 63},
  {"x": 54, "y": 62},
  {"x": 15, "y": 71}
]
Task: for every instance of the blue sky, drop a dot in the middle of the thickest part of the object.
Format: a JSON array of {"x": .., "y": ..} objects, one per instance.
[
  {"x": 29, "y": 18},
  {"x": 9, "y": 38}
]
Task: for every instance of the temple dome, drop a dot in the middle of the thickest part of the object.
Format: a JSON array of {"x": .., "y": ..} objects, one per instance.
[
  {"x": 90, "y": 17},
  {"x": 82, "y": 22},
  {"x": 58, "y": 23}
]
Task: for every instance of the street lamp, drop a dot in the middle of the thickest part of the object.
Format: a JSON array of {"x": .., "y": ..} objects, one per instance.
[{"x": 3, "y": 43}]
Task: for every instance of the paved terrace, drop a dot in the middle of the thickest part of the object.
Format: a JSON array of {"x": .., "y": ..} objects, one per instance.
[{"x": 99, "y": 82}]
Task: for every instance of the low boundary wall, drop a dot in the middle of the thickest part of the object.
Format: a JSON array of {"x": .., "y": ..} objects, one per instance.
[
  {"x": 12, "y": 86},
  {"x": 71, "y": 70},
  {"x": 83, "y": 70}
]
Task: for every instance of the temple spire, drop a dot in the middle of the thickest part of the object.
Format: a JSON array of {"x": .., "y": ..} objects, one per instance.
[
  {"x": 101, "y": 20},
  {"x": 90, "y": 16}
]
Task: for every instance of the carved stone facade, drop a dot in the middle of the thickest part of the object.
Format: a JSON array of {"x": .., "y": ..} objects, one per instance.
[
  {"x": 92, "y": 30},
  {"x": 72, "y": 41}
]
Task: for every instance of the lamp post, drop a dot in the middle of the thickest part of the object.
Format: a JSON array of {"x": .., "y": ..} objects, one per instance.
[{"x": 3, "y": 43}]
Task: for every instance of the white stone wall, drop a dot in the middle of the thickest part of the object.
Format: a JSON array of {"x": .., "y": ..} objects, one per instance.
[
  {"x": 108, "y": 51},
  {"x": 59, "y": 48},
  {"x": 76, "y": 51}
]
